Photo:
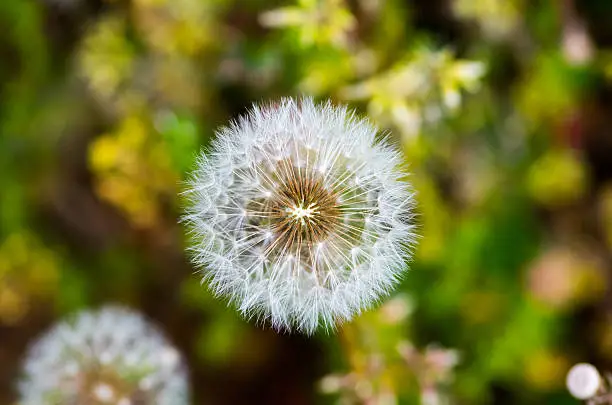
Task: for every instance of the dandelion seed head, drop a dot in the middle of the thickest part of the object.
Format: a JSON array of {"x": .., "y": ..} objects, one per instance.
[
  {"x": 103, "y": 357},
  {"x": 583, "y": 381},
  {"x": 300, "y": 215}
]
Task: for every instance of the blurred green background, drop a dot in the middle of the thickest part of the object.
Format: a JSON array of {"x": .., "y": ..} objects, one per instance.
[{"x": 502, "y": 107}]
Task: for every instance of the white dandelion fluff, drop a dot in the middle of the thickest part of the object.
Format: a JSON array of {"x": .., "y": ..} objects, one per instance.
[
  {"x": 110, "y": 356},
  {"x": 583, "y": 381},
  {"x": 299, "y": 215}
]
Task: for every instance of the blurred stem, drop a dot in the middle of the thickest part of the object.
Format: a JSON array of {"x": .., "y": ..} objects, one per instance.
[{"x": 349, "y": 339}]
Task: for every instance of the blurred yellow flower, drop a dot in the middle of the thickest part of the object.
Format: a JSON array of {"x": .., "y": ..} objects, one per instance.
[
  {"x": 497, "y": 18},
  {"x": 557, "y": 178},
  {"x": 133, "y": 170},
  {"x": 106, "y": 57},
  {"x": 326, "y": 22},
  {"x": 420, "y": 90},
  {"x": 180, "y": 27},
  {"x": 28, "y": 272},
  {"x": 545, "y": 370}
]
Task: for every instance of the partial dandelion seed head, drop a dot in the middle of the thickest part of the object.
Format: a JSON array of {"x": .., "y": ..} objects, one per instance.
[
  {"x": 583, "y": 381},
  {"x": 110, "y": 356},
  {"x": 300, "y": 215}
]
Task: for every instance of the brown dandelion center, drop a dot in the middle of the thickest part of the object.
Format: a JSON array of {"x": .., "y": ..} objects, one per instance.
[
  {"x": 302, "y": 211},
  {"x": 101, "y": 385}
]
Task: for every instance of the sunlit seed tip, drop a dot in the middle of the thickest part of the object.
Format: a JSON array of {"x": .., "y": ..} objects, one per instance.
[
  {"x": 169, "y": 357},
  {"x": 103, "y": 392},
  {"x": 146, "y": 384}
]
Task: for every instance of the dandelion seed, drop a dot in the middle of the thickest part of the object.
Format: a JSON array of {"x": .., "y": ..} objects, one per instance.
[
  {"x": 102, "y": 357},
  {"x": 327, "y": 229}
]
